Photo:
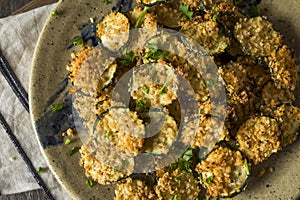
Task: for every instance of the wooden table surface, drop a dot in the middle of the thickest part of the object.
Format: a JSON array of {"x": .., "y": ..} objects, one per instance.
[{"x": 7, "y": 8}]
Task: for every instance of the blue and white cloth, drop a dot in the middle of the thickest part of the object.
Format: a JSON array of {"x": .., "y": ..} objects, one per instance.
[{"x": 20, "y": 154}]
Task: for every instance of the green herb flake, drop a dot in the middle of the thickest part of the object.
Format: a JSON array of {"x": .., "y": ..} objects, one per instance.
[
  {"x": 209, "y": 179},
  {"x": 163, "y": 90},
  {"x": 39, "y": 170},
  {"x": 185, "y": 165},
  {"x": 214, "y": 17},
  {"x": 141, "y": 17},
  {"x": 128, "y": 58},
  {"x": 184, "y": 162},
  {"x": 116, "y": 169},
  {"x": 176, "y": 197},
  {"x": 176, "y": 178},
  {"x": 246, "y": 167},
  {"x": 188, "y": 155},
  {"x": 78, "y": 41},
  {"x": 254, "y": 11},
  {"x": 173, "y": 166},
  {"x": 188, "y": 167},
  {"x": 155, "y": 53},
  {"x": 72, "y": 151},
  {"x": 141, "y": 104},
  {"x": 105, "y": 2},
  {"x": 211, "y": 82},
  {"x": 185, "y": 10},
  {"x": 228, "y": 96},
  {"x": 68, "y": 141},
  {"x": 56, "y": 107},
  {"x": 89, "y": 183},
  {"x": 108, "y": 133},
  {"x": 54, "y": 12},
  {"x": 146, "y": 89}
]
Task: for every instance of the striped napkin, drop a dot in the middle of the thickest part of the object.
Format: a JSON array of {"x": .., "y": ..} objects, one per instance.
[{"x": 22, "y": 166}]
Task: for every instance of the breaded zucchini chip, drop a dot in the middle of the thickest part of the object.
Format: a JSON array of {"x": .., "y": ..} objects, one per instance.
[
  {"x": 257, "y": 36},
  {"x": 149, "y": 20},
  {"x": 273, "y": 97},
  {"x": 134, "y": 190},
  {"x": 288, "y": 117},
  {"x": 208, "y": 34},
  {"x": 224, "y": 172},
  {"x": 77, "y": 60},
  {"x": 283, "y": 68},
  {"x": 177, "y": 184},
  {"x": 122, "y": 128},
  {"x": 161, "y": 142},
  {"x": 258, "y": 138},
  {"x": 98, "y": 171},
  {"x": 113, "y": 31}
]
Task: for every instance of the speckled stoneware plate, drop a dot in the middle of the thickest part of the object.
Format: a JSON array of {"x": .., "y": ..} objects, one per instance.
[{"x": 49, "y": 86}]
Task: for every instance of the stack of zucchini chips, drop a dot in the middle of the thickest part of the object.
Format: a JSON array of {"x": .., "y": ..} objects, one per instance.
[{"x": 259, "y": 76}]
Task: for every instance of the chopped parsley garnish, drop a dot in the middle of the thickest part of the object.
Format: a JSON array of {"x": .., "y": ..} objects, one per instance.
[
  {"x": 173, "y": 166},
  {"x": 177, "y": 177},
  {"x": 89, "y": 183},
  {"x": 56, "y": 107},
  {"x": 184, "y": 162},
  {"x": 211, "y": 82},
  {"x": 108, "y": 133},
  {"x": 185, "y": 10},
  {"x": 254, "y": 11},
  {"x": 176, "y": 197},
  {"x": 163, "y": 90},
  {"x": 146, "y": 89},
  {"x": 116, "y": 169},
  {"x": 209, "y": 179},
  {"x": 72, "y": 151},
  {"x": 228, "y": 96},
  {"x": 187, "y": 166},
  {"x": 141, "y": 17},
  {"x": 68, "y": 141},
  {"x": 54, "y": 12},
  {"x": 188, "y": 155},
  {"x": 39, "y": 170},
  {"x": 215, "y": 16},
  {"x": 105, "y": 2},
  {"x": 141, "y": 105},
  {"x": 155, "y": 53},
  {"x": 78, "y": 41},
  {"x": 246, "y": 167},
  {"x": 128, "y": 59}
]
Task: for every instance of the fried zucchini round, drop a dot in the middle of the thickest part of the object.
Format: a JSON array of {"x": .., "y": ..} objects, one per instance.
[
  {"x": 258, "y": 138},
  {"x": 257, "y": 36}
]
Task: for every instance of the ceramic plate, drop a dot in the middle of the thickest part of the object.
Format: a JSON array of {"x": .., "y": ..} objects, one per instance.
[{"x": 49, "y": 86}]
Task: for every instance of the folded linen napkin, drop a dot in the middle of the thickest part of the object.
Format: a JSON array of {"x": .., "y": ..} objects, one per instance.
[{"x": 19, "y": 35}]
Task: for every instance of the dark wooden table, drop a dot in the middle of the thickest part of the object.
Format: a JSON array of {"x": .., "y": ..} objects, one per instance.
[{"x": 7, "y": 8}]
